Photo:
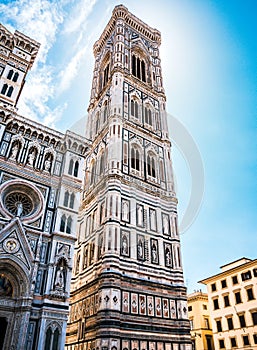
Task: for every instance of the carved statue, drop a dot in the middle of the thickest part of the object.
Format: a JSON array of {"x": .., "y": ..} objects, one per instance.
[
  {"x": 47, "y": 165},
  {"x": 31, "y": 158},
  {"x": 15, "y": 150},
  {"x": 19, "y": 210},
  {"x": 59, "y": 279}
]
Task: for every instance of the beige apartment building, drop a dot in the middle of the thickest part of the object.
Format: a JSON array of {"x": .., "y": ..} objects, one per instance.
[
  {"x": 199, "y": 317},
  {"x": 232, "y": 297}
]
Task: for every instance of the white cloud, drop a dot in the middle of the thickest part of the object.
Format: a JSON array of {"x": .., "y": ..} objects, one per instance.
[
  {"x": 42, "y": 20},
  {"x": 78, "y": 19}
]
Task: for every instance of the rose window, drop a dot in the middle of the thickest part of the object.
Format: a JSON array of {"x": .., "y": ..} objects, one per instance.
[
  {"x": 18, "y": 204},
  {"x": 21, "y": 199}
]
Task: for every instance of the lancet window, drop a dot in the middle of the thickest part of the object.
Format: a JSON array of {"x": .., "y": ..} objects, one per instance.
[
  {"x": 151, "y": 165},
  {"x": 135, "y": 158},
  {"x": 138, "y": 68}
]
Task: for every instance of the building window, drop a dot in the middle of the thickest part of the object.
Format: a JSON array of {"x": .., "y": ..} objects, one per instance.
[
  {"x": 226, "y": 301},
  {"x": 70, "y": 167},
  {"x": 151, "y": 168},
  {"x": 66, "y": 199},
  {"x": 246, "y": 340},
  {"x": 254, "y": 317},
  {"x": 250, "y": 294},
  {"x": 216, "y": 304},
  {"x": 255, "y": 272},
  {"x": 72, "y": 199},
  {"x": 234, "y": 280},
  {"x": 255, "y": 338},
  {"x": 206, "y": 323},
  {"x": 213, "y": 287},
  {"x": 66, "y": 224},
  {"x": 138, "y": 68},
  {"x": 223, "y": 284},
  {"x": 238, "y": 298},
  {"x": 63, "y": 222},
  {"x": 106, "y": 75},
  {"x": 76, "y": 169},
  {"x": 10, "y": 74},
  {"x": 190, "y": 308},
  {"x": 10, "y": 91},
  {"x": 233, "y": 342},
  {"x": 242, "y": 321},
  {"x": 230, "y": 323},
  {"x": 246, "y": 275},
  {"x": 221, "y": 344},
  {"x": 134, "y": 108},
  {"x": 219, "y": 326},
  {"x": 4, "y": 89},
  {"x": 204, "y": 306},
  {"x": 16, "y": 76},
  {"x": 148, "y": 116},
  {"x": 135, "y": 159}
]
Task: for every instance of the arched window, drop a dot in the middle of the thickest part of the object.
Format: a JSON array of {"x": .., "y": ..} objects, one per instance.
[
  {"x": 66, "y": 199},
  {"x": 134, "y": 108},
  {"x": 69, "y": 224},
  {"x": 10, "y": 91},
  {"x": 162, "y": 171},
  {"x": 63, "y": 223},
  {"x": 135, "y": 158},
  {"x": 92, "y": 178},
  {"x": 76, "y": 169},
  {"x": 71, "y": 167},
  {"x": 97, "y": 123},
  {"x": 72, "y": 199},
  {"x": 105, "y": 112},
  {"x": 102, "y": 164},
  {"x": 138, "y": 68},
  {"x": 16, "y": 76},
  {"x": 148, "y": 116},
  {"x": 4, "y": 88},
  {"x": 151, "y": 167},
  {"x": 106, "y": 75},
  {"x": 48, "y": 338},
  {"x": 55, "y": 339},
  {"x": 10, "y": 74}
]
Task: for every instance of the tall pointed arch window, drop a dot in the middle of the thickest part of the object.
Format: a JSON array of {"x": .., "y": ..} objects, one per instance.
[
  {"x": 71, "y": 167},
  {"x": 138, "y": 68},
  {"x": 10, "y": 74},
  {"x": 66, "y": 199},
  {"x": 10, "y": 91},
  {"x": 151, "y": 165},
  {"x": 135, "y": 158},
  {"x": 4, "y": 89},
  {"x": 76, "y": 169},
  {"x": 72, "y": 199},
  {"x": 15, "y": 77},
  {"x": 93, "y": 171},
  {"x": 97, "y": 123},
  {"x": 148, "y": 116},
  {"x": 101, "y": 170},
  {"x": 134, "y": 108}
]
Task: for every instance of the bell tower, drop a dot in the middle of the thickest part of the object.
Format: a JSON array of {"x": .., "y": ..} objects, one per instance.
[{"x": 128, "y": 291}]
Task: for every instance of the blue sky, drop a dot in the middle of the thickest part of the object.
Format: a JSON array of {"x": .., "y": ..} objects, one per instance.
[{"x": 209, "y": 60}]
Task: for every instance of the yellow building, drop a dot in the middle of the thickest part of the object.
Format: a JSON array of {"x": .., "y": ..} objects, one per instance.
[
  {"x": 233, "y": 307},
  {"x": 199, "y": 317}
]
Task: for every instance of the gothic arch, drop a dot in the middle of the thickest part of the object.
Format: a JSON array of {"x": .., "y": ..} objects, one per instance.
[{"x": 17, "y": 276}]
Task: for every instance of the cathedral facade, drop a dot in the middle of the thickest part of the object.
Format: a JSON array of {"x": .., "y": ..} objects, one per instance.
[
  {"x": 41, "y": 173},
  {"x": 127, "y": 289}
]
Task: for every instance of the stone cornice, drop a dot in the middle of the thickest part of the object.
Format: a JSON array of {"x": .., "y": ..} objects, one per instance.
[{"x": 122, "y": 12}]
